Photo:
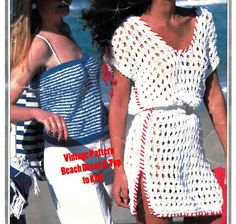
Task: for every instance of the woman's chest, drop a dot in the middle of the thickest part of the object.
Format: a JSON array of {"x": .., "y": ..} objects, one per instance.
[
  {"x": 155, "y": 61},
  {"x": 73, "y": 77}
]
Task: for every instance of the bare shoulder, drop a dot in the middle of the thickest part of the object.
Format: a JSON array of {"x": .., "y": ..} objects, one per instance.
[
  {"x": 39, "y": 51},
  {"x": 36, "y": 58}
]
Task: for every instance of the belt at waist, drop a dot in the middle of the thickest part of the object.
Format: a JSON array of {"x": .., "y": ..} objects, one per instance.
[{"x": 186, "y": 109}]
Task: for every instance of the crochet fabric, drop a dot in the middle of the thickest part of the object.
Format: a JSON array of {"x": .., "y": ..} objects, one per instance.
[{"x": 164, "y": 144}]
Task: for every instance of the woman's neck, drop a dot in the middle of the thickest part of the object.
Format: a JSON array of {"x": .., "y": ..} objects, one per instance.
[
  {"x": 52, "y": 26},
  {"x": 162, "y": 11}
]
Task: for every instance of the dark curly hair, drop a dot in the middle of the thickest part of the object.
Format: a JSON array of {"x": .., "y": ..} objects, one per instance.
[{"x": 105, "y": 16}]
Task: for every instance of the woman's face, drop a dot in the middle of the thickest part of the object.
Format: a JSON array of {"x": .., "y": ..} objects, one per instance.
[{"x": 50, "y": 9}]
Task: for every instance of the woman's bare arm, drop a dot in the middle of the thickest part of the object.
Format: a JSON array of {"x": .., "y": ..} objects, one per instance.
[
  {"x": 38, "y": 56},
  {"x": 117, "y": 126},
  {"x": 20, "y": 77},
  {"x": 215, "y": 104}
]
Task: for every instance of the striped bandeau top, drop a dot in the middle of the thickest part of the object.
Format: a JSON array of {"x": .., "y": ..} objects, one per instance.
[{"x": 72, "y": 90}]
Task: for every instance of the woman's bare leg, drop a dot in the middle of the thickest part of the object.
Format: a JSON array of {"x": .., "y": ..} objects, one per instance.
[{"x": 143, "y": 214}]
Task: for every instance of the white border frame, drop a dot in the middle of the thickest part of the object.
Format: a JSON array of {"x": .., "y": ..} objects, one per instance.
[
  {"x": 3, "y": 116},
  {"x": 232, "y": 147},
  {"x": 231, "y": 106}
]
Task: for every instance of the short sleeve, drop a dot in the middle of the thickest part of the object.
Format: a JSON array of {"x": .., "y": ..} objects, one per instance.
[
  {"x": 213, "y": 58},
  {"x": 122, "y": 51}
]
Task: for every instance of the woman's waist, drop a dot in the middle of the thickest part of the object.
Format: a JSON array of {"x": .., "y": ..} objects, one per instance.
[
  {"x": 86, "y": 122},
  {"x": 78, "y": 137},
  {"x": 181, "y": 109},
  {"x": 161, "y": 116}
]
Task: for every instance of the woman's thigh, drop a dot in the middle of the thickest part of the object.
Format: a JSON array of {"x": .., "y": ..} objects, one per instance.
[{"x": 143, "y": 213}]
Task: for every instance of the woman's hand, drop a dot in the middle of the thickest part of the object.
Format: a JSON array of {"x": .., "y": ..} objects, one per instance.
[
  {"x": 120, "y": 189},
  {"x": 52, "y": 123}
]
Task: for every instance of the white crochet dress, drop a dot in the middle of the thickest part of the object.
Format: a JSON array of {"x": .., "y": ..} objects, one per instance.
[{"x": 164, "y": 143}]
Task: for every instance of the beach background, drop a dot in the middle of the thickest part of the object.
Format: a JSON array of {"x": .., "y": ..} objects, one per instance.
[{"x": 41, "y": 209}]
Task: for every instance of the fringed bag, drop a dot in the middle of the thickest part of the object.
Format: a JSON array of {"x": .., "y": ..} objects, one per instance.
[{"x": 22, "y": 179}]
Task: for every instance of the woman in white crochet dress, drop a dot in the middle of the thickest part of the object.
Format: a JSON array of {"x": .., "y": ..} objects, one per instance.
[{"x": 164, "y": 62}]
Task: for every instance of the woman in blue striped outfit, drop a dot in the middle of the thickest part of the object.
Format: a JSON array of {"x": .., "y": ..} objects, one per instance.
[{"x": 47, "y": 62}]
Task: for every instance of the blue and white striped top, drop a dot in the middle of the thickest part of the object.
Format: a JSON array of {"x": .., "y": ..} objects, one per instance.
[
  {"x": 29, "y": 134},
  {"x": 72, "y": 90}
]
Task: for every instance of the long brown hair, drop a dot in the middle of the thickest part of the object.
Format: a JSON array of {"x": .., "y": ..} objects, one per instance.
[
  {"x": 25, "y": 23},
  {"x": 105, "y": 16}
]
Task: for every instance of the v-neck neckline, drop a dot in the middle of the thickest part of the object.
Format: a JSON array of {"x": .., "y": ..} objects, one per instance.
[{"x": 181, "y": 50}]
